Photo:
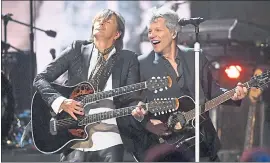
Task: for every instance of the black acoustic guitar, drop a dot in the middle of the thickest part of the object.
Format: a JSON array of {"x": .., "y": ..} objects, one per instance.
[
  {"x": 47, "y": 136},
  {"x": 182, "y": 122}
]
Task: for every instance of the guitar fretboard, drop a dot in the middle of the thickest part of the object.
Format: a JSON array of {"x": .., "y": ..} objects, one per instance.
[
  {"x": 107, "y": 115},
  {"x": 114, "y": 92},
  {"x": 214, "y": 102}
]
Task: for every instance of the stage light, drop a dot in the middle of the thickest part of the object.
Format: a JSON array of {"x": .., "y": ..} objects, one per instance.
[
  {"x": 216, "y": 65},
  {"x": 233, "y": 71}
]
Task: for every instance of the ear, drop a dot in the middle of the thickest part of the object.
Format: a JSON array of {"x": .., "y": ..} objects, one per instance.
[
  {"x": 174, "y": 34},
  {"x": 118, "y": 34}
]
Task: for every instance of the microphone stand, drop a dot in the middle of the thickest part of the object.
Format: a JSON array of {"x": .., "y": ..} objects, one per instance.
[
  {"x": 32, "y": 53},
  {"x": 195, "y": 22},
  {"x": 6, "y": 46},
  {"x": 197, "y": 92},
  {"x": 5, "y": 51},
  {"x": 6, "y": 18}
]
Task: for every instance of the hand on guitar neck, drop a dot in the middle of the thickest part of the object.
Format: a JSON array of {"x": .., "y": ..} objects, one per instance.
[
  {"x": 154, "y": 126},
  {"x": 72, "y": 107},
  {"x": 240, "y": 92}
]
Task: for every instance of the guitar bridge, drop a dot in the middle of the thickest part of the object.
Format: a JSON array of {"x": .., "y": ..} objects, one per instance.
[
  {"x": 53, "y": 128},
  {"x": 161, "y": 140}
]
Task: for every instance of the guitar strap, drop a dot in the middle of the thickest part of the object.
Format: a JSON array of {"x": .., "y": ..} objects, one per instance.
[{"x": 102, "y": 71}]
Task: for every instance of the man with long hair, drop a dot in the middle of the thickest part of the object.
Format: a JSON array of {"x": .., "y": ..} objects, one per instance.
[{"x": 91, "y": 61}]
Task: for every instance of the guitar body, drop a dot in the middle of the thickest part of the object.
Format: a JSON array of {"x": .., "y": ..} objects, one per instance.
[
  {"x": 182, "y": 126},
  {"x": 51, "y": 133},
  {"x": 181, "y": 133},
  {"x": 41, "y": 116},
  {"x": 180, "y": 140}
]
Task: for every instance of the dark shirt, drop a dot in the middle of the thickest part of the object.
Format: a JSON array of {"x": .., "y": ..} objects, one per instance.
[
  {"x": 178, "y": 87},
  {"x": 154, "y": 65}
]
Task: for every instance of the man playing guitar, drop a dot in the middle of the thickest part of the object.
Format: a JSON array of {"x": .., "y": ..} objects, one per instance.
[
  {"x": 167, "y": 58},
  {"x": 82, "y": 61}
]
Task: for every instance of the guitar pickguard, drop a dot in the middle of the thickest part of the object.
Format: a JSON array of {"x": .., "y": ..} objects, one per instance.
[
  {"x": 82, "y": 89},
  {"x": 77, "y": 133}
]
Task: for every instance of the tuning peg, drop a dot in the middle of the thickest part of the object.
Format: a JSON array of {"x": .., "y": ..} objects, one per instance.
[
  {"x": 172, "y": 109},
  {"x": 164, "y": 77},
  {"x": 166, "y": 111},
  {"x": 169, "y": 110},
  {"x": 158, "y": 77},
  {"x": 161, "y": 99},
  {"x": 166, "y": 88},
  {"x": 155, "y": 91},
  {"x": 162, "y": 112},
  {"x": 160, "y": 89},
  {"x": 165, "y": 98},
  {"x": 158, "y": 113}
]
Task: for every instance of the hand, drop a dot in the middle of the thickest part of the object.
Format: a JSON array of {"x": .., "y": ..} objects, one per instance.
[
  {"x": 157, "y": 127},
  {"x": 138, "y": 113},
  {"x": 240, "y": 92},
  {"x": 71, "y": 106}
]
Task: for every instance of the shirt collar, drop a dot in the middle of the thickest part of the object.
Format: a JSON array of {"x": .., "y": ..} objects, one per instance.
[
  {"x": 112, "y": 52},
  {"x": 158, "y": 56}
]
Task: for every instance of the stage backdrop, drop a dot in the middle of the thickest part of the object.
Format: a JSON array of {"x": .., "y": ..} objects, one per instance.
[{"x": 72, "y": 21}]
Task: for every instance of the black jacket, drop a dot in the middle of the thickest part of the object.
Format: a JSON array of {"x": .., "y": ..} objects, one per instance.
[
  {"x": 150, "y": 66},
  {"x": 75, "y": 60}
]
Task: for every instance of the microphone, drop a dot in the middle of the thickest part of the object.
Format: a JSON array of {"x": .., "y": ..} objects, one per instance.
[
  {"x": 52, "y": 51},
  {"x": 7, "y": 16},
  {"x": 51, "y": 33},
  {"x": 193, "y": 21}
]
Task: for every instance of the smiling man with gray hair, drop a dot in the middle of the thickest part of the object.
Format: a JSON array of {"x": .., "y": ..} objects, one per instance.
[{"x": 167, "y": 59}]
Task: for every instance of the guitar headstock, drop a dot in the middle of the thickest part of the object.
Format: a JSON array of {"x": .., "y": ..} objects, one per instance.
[
  {"x": 162, "y": 106},
  {"x": 158, "y": 83},
  {"x": 260, "y": 81},
  {"x": 254, "y": 93}
]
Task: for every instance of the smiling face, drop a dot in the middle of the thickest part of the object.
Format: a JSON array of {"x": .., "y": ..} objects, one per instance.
[
  {"x": 106, "y": 28},
  {"x": 160, "y": 36}
]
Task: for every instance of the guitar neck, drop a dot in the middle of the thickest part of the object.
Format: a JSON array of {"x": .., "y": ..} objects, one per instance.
[
  {"x": 214, "y": 102},
  {"x": 107, "y": 115},
  {"x": 114, "y": 92},
  {"x": 222, "y": 98}
]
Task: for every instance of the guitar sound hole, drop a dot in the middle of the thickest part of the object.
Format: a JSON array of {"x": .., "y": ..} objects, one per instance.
[{"x": 82, "y": 87}]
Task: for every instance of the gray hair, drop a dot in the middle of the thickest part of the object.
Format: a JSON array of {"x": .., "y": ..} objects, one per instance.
[
  {"x": 170, "y": 16},
  {"x": 107, "y": 14}
]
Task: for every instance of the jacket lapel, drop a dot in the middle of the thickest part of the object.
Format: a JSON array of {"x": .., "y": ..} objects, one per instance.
[
  {"x": 87, "y": 53},
  {"x": 189, "y": 74},
  {"x": 117, "y": 71}
]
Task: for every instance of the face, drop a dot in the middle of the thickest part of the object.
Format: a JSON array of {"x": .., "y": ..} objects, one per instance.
[
  {"x": 106, "y": 28},
  {"x": 160, "y": 36}
]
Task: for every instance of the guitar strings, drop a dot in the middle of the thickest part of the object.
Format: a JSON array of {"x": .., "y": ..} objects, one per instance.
[{"x": 68, "y": 121}]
